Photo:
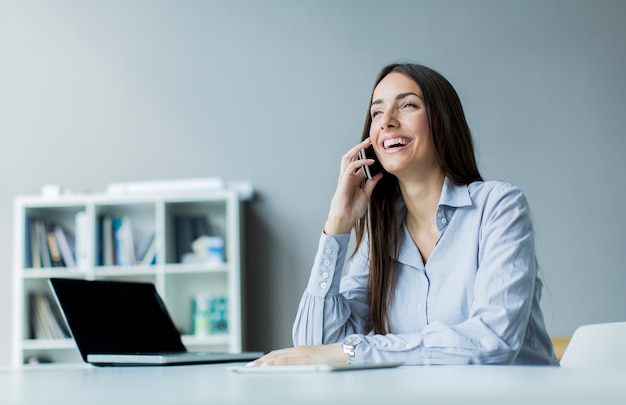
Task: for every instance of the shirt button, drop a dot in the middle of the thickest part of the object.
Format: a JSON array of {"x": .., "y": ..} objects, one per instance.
[
  {"x": 323, "y": 285},
  {"x": 439, "y": 214},
  {"x": 328, "y": 251},
  {"x": 324, "y": 275},
  {"x": 326, "y": 262},
  {"x": 443, "y": 220},
  {"x": 384, "y": 344},
  {"x": 396, "y": 345}
]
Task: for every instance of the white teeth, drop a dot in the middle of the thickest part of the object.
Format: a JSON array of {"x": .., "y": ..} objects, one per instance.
[{"x": 395, "y": 142}]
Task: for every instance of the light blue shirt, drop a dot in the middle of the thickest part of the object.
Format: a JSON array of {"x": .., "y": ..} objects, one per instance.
[{"x": 476, "y": 300}]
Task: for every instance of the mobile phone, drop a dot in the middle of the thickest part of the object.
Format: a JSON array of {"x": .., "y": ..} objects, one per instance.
[{"x": 373, "y": 169}]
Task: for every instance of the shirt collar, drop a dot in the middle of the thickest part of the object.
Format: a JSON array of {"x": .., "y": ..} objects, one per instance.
[{"x": 452, "y": 197}]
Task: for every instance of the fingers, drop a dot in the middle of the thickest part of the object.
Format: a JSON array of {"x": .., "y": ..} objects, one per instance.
[
  {"x": 351, "y": 198},
  {"x": 352, "y": 156},
  {"x": 314, "y": 354},
  {"x": 282, "y": 357},
  {"x": 371, "y": 183}
]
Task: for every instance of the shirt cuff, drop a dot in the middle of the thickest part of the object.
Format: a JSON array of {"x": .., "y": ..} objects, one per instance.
[
  {"x": 389, "y": 348},
  {"x": 328, "y": 265}
]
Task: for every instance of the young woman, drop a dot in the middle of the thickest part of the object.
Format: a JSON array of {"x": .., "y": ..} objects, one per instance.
[{"x": 445, "y": 270}]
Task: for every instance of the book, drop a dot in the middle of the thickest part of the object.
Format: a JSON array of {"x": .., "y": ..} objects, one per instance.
[
  {"x": 123, "y": 244},
  {"x": 28, "y": 246},
  {"x": 149, "y": 257},
  {"x": 128, "y": 242},
  {"x": 55, "y": 253},
  {"x": 61, "y": 327},
  {"x": 34, "y": 245},
  {"x": 116, "y": 226},
  {"x": 81, "y": 240},
  {"x": 106, "y": 241},
  {"x": 65, "y": 244},
  {"x": 42, "y": 240},
  {"x": 147, "y": 243}
]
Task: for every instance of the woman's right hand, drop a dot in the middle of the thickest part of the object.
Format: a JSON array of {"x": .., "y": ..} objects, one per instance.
[{"x": 352, "y": 197}]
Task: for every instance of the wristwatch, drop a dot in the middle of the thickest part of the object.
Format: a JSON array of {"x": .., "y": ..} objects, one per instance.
[{"x": 348, "y": 344}]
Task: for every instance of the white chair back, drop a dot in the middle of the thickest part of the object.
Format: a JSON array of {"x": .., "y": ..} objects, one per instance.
[{"x": 601, "y": 345}]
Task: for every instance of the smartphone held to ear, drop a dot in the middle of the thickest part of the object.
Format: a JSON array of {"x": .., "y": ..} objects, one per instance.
[{"x": 373, "y": 169}]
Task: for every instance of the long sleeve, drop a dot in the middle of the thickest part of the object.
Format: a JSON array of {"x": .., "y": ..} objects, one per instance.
[
  {"x": 476, "y": 300},
  {"x": 324, "y": 315}
]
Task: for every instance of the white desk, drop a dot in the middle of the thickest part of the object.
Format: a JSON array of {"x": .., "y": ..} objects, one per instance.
[{"x": 214, "y": 384}]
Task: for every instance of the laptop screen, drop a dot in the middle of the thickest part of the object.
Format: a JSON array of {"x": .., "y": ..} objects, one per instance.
[{"x": 110, "y": 317}]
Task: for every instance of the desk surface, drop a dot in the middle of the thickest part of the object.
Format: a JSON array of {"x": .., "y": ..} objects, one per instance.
[{"x": 214, "y": 384}]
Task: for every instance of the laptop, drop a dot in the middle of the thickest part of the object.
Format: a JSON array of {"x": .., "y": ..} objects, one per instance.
[{"x": 116, "y": 323}]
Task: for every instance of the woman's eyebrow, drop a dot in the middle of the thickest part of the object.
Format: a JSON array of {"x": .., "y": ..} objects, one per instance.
[{"x": 398, "y": 97}]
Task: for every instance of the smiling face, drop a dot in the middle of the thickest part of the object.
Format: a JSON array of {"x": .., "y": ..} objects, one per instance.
[{"x": 400, "y": 128}]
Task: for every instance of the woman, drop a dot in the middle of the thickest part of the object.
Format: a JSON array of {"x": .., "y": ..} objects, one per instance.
[{"x": 445, "y": 270}]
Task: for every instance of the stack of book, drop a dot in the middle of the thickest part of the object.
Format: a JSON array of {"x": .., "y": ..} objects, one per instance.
[
  {"x": 49, "y": 245},
  {"x": 46, "y": 319},
  {"x": 116, "y": 246}
]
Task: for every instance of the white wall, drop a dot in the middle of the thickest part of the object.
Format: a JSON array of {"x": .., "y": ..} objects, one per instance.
[{"x": 274, "y": 92}]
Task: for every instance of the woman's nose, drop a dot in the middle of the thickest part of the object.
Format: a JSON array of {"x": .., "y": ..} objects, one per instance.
[{"x": 388, "y": 120}]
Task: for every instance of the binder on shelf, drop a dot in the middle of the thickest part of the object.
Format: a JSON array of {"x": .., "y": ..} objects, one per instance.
[{"x": 188, "y": 228}]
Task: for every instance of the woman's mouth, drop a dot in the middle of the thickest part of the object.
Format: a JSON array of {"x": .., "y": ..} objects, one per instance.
[{"x": 394, "y": 143}]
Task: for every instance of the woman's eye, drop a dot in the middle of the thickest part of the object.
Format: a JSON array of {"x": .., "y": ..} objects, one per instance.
[
  {"x": 376, "y": 112},
  {"x": 409, "y": 104}
]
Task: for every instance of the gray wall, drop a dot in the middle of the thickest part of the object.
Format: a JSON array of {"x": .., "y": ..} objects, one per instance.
[{"x": 274, "y": 92}]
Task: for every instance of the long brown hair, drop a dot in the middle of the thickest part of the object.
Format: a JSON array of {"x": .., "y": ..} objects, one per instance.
[{"x": 455, "y": 152}]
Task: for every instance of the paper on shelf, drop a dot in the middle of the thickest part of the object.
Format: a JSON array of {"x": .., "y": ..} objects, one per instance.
[
  {"x": 156, "y": 186},
  {"x": 243, "y": 189}
]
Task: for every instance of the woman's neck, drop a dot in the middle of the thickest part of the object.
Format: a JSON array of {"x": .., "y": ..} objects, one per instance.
[{"x": 421, "y": 197}]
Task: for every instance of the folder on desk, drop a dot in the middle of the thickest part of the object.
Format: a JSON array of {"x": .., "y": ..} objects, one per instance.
[
  {"x": 126, "y": 323},
  {"x": 311, "y": 368}
]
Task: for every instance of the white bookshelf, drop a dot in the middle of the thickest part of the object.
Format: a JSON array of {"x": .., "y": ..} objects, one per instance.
[{"x": 176, "y": 282}]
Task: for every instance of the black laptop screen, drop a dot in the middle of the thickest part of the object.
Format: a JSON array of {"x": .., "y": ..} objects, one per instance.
[{"x": 110, "y": 317}]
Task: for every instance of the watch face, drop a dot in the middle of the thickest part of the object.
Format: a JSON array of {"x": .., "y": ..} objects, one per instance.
[{"x": 352, "y": 340}]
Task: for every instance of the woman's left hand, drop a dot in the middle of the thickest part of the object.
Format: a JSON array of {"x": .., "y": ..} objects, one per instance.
[{"x": 320, "y": 354}]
